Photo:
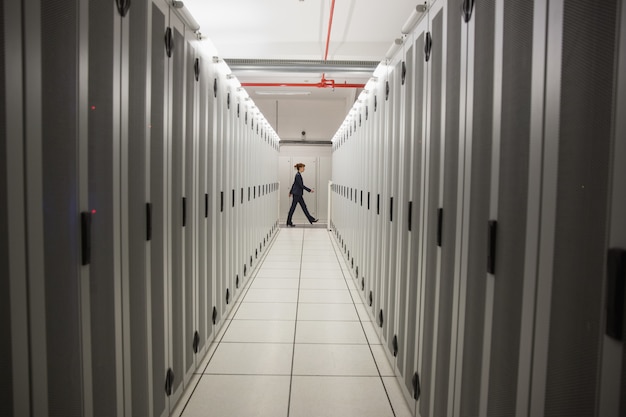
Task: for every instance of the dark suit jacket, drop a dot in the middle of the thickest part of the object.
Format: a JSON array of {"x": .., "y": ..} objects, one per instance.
[{"x": 298, "y": 186}]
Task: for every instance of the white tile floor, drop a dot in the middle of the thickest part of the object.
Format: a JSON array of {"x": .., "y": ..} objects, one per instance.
[{"x": 298, "y": 344}]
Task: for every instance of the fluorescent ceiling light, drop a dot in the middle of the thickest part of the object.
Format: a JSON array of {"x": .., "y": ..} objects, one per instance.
[{"x": 283, "y": 93}]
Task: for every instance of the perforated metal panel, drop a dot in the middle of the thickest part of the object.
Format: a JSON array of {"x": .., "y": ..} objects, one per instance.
[
  {"x": 482, "y": 107},
  {"x": 189, "y": 191},
  {"x": 103, "y": 197},
  {"x": 392, "y": 220},
  {"x": 6, "y": 366},
  {"x": 587, "y": 83},
  {"x": 450, "y": 193},
  {"x": 137, "y": 211},
  {"x": 158, "y": 198},
  {"x": 432, "y": 206},
  {"x": 204, "y": 209},
  {"x": 177, "y": 62},
  {"x": 516, "y": 87},
  {"x": 405, "y": 258},
  {"x": 60, "y": 211},
  {"x": 414, "y": 273}
]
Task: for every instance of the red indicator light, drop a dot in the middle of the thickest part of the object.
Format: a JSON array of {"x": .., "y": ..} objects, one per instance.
[
  {"x": 93, "y": 107},
  {"x": 93, "y": 211}
]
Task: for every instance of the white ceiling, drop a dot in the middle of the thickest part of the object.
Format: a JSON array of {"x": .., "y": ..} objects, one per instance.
[{"x": 362, "y": 30}]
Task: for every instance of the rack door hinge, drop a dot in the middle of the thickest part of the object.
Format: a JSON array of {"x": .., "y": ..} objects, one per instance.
[
  {"x": 196, "y": 341},
  {"x": 417, "y": 390},
  {"x": 169, "y": 382}
]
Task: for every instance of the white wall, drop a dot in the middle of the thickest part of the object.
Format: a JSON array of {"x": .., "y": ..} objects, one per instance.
[{"x": 320, "y": 119}]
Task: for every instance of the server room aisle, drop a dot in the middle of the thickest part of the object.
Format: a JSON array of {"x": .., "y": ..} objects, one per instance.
[{"x": 298, "y": 343}]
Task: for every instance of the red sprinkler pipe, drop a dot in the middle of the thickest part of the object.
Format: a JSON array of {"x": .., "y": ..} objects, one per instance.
[
  {"x": 324, "y": 83},
  {"x": 330, "y": 25}
]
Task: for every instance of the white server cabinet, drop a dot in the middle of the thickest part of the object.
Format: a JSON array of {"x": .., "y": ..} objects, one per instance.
[
  {"x": 404, "y": 203},
  {"x": 513, "y": 286},
  {"x": 22, "y": 227},
  {"x": 446, "y": 24},
  {"x": 136, "y": 165},
  {"x": 478, "y": 174},
  {"x": 220, "y": 119},
  {"x": 57, "y": 152},
  {"x": 432, "y": 210},
  {"x": 205, "y": 212},
  {"x": 378, "y": 202},
  {"x": 6, "y": 367},
  {"x": 612, "y": 399},
  {"x": 574, "y": 268},
  {"x": 391, "y": 199}
]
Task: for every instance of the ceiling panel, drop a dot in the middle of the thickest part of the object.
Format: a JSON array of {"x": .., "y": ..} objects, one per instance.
[{"x": 362, "y": 30}]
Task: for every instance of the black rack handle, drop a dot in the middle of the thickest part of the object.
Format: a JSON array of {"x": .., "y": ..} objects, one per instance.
[
  {"x": 122, "y": 7},
  {"x": 85, "y": 234},
  {"x": 428, "y": 46},
  {"x": 616, "y": 283},
  {"x": 439, "y": 226},
  {"x": 169, "y": 42},
  {"x": 148, "y": 221}
]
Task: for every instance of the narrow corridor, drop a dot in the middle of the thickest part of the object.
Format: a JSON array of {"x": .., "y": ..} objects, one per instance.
[{"x": 298, "y": 343}]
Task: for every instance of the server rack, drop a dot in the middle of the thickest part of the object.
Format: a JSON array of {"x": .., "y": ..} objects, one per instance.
[
  {"x": 498, "y": 262},
  {"x": 113, "y": 270}
]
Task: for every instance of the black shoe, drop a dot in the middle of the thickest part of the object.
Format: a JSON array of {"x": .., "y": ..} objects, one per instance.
[
  {"x": 315, "y": 221},
  {"x": 291, "y": 225}
]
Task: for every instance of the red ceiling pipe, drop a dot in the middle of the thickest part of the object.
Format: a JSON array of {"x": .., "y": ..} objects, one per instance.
[
  {"x": 330, "y": 25},
  {"x": 324, "y": 83},
  {"x": 327, "y": 84}
]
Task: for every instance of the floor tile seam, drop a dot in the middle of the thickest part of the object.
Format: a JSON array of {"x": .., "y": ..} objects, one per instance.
[
  {"x": 333, "y": 242},
  {"x": 229, "y": 317},
  {"x": 287, "y": 375},
  {"x": 295, "y": 331},
  {"x": 243, "y": 374},
  {"x": 338, "y": 344},
  {"x": 254, "y": 342},
  {"x": 266, "y": 320},
  {"x": 338, "y": 375},
  {"x": 338, "y": 321}
]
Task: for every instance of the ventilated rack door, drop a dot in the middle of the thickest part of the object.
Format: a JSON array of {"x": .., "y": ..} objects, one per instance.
[
  {"x": 378, "y": 203},
  {"x": 394, "y": 132},
  {"x": 64, "y": 196},
  {"x": 433, "y": 214},
  {"x": 178, "y": 200},
  {"x": 159, "y": 253},
  {"x": 512, "y": 198},
  {"x": 203, "y": 212},
  {"x": 404, "y": 197},
  {"x": 477, "y": 182},
  {"x": 219, "y": 97},
  {"x": 189, "y": 210},
  {"x": 6, "y": 390},
  {"x": 451, "y": 209},
  {"x": 140, "y": 208},
  {"x": 414, "y": 275},
  {"x": 104, "y": 168},
  {"x": 579, "y": 121}
]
